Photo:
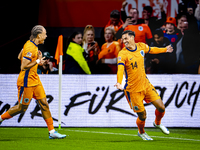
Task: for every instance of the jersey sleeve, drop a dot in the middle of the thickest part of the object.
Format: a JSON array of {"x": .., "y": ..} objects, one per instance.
[
  {"x": 156, "y": 50},
  {"x": 28, "y": 53},
  {"x": 117, "y": 48},
  {"x": 121, "y": 64},
  {"x": 145, "y": 47},
  {"x": 102, "y": 52},
  {"x": 148, "y": 33}
]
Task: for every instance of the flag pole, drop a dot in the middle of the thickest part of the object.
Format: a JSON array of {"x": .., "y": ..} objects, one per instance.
[
  {"x": 60, "y": 92},
  {"x": 58, "y": 57}
]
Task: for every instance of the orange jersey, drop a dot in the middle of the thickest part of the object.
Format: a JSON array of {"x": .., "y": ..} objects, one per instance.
[
  {"x": 110, "y": 51},
  {"x": 142, "y": 32},
  {"x": 133, "y": 65},
  {"x": 116, "y": 27},
  {"x": 28, "y": 78},
  {"x": 91, "y": 52}
]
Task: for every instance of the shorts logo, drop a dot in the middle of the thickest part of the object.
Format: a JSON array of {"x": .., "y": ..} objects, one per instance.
[
  {"x": 26, "y": 100},
  {"x": 136, "y": 108}
]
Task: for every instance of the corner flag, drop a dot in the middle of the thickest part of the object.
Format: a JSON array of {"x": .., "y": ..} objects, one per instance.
[
  {"x": 58, "y": 57},
  {"x": 59, "y": 49}
]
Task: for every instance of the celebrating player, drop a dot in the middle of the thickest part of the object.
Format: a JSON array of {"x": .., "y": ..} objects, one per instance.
[
  {"x": 138, "y": 87},
  {"x": 29, "y": 84}
]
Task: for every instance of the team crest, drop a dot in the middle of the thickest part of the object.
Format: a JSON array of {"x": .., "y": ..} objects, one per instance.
[
  {"x": 136, "y": 108},
  {"x": 142, "y": 53},
  {"x": 29, "y": 54},
  {"x": 26, "y": 100},
  {"x": 119, "y": 58},
  {"x": 140, "y": 28}
]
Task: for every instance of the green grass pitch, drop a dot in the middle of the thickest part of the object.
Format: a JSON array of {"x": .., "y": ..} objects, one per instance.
[{"x": 98, "y": 139}]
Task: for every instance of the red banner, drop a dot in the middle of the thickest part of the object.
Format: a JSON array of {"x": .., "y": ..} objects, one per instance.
[{"x": 79, "y": 13}]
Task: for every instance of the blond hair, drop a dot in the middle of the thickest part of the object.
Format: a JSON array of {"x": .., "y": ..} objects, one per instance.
[
  {"x": 87, "y": 28},
  {"x": 112, "y": 31}
]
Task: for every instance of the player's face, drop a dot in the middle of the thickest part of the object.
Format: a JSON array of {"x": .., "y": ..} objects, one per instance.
[
  {"x": 128, "y": 40},
  {"x": 108, "y": 36},
  {"x": 89, "y": 36},
  {"x": 78, "y": 39},
  {"x": 42, "y": 36}
]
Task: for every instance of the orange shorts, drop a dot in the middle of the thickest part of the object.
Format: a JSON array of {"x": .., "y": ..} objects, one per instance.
[
  {"x": 25, "y": 94},
  {"x": 135, "y": 99}
]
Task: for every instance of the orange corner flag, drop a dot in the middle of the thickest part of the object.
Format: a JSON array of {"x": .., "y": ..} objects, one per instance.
[{"x": 59, "y": 49}]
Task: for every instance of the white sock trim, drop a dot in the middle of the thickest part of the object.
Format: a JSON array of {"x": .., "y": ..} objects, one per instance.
[
  {"x": 1, "y": 119},
  {"x": 52, "y": 131}
]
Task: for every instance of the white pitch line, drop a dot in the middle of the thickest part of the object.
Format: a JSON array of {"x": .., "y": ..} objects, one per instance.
[{"x": 131, "y": 135}]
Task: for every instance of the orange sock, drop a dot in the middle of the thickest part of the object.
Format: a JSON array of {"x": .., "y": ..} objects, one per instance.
[
  {"x": 6, "y": 115},
  {"x": 49, "y": 123},
  {"x": 159, "y": 116},
  {"x": 140, "y": 125}
]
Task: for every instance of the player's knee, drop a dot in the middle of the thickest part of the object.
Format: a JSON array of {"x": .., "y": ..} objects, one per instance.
[
  {"x": 45, "y": 106},
  {"x": 161, "y": 108},
  {"x": 142, "y": 115},
  {"x": 22, "y": 108},
  {"x": 142, "y": 118}
]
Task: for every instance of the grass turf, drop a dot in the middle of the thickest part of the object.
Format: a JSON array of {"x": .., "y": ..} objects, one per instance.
[{"x": 98, "y": 139}]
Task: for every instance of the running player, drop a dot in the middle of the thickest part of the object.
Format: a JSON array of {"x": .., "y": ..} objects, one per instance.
[
  {"x": 138, "y": 87},
  {"x": 29, "y": 84}
]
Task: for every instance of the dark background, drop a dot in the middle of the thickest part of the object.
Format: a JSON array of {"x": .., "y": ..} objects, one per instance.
[{"x": 17, "y": 20}]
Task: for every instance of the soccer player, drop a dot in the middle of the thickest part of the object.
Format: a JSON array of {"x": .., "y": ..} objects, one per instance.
[
  {"x": 138, "y": 87},
  {"x": 29, "y": 84}
]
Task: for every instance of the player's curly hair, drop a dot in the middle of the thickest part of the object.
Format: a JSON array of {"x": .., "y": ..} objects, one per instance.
[{"x": 35, "y": 31}]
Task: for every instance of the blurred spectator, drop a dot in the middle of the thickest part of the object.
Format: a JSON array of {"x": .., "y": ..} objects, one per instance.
[
  {"x": 142, "y": 31},
  {"x": 182, "y": 8},
  {"x": 115, "y": 20},
  {"x": 75, "y": 62},
  {"x": 91, "y": 47},
  {"x": 174, "y": 35},
  {"x": 191, "y": 44},
  {"x": 158, "y": 63},
  {"x": 191, "y": 49},
  {"x": 180, "y": 62},
  {"x": 152, "y": 21},
  {"x": 107, "y": 58},
  {"x": 182, "y": 23},
  {"x": 131, "y": 13},
  {"x": 47, "y": 67},
  {"x": 199, "y": 66},
  {"x": 197, "y": 15}
]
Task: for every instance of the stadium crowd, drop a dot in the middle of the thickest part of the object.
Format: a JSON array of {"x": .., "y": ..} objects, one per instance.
[{"x": 85, "y": 55}]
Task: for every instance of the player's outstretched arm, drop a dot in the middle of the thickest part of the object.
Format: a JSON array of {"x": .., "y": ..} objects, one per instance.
[{"x": 169, "y": 49}]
